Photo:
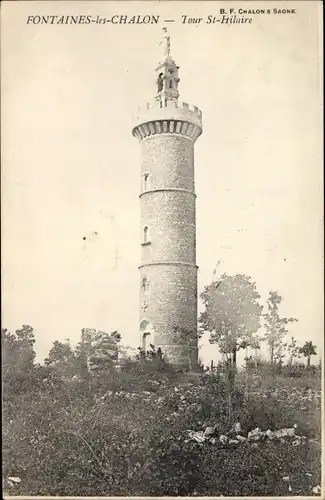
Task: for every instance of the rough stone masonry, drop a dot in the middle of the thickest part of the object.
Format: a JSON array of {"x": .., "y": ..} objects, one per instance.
[{"x": 167, "y": 131}]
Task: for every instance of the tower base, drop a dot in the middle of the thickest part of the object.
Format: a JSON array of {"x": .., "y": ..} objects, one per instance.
[{"x": 180, "y": 356}]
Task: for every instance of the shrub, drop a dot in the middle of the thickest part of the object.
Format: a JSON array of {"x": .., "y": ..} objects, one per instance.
[{"x": 125, "y": 432}]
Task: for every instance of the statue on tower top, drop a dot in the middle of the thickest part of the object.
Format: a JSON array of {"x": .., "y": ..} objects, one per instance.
[
  {"x": 165, "y": 43},
  {"x": 167, "y": 73}
]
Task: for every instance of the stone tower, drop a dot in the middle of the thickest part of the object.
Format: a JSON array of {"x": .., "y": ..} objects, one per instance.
[{"x": 167, "y": 131}]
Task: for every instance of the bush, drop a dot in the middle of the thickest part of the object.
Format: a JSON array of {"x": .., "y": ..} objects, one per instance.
[{"x": 294, "y": 371}]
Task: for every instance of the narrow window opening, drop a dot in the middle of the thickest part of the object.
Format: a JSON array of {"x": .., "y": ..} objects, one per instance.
[
  {"x": 144, "y": 284},
  {"x": 145, "y": 234},
  {"x": 145, "y": 181}
]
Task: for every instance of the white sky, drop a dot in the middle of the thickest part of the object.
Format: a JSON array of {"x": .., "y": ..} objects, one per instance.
[{"x": 71, "y": 166}]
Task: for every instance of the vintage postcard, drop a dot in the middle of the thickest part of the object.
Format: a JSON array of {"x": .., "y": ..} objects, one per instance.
[{"x": 162, "y": 248}]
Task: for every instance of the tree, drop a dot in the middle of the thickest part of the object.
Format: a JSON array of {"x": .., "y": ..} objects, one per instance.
[
  {"x": 275, "y": 326},
  {"x": 18, "y": 347},
  {"x": 279, "y": 353},
  {"x": 116, "y": 336},
  {"x": 232, "y": 314},
  {"x": 17, "y": 357},
  {"x": 255, "y": 344},
  {"x": 293, "y": 351},
  {"x": 308, "y": 350},
  {"x": 62, "y": 359}
]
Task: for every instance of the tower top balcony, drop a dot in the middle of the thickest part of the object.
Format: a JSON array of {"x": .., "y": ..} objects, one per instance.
[{"x": 168, "y": 110}]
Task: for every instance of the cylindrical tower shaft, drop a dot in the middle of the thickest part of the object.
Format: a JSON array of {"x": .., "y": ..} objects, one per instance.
[{"x": 168, "y": 272}]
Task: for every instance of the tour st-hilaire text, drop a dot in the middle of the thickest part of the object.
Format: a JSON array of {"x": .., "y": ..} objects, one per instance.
[{"x": 229, "y": 16}]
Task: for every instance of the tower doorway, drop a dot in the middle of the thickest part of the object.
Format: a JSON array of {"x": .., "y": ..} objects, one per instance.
[{"x": 146, "y": 332}]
